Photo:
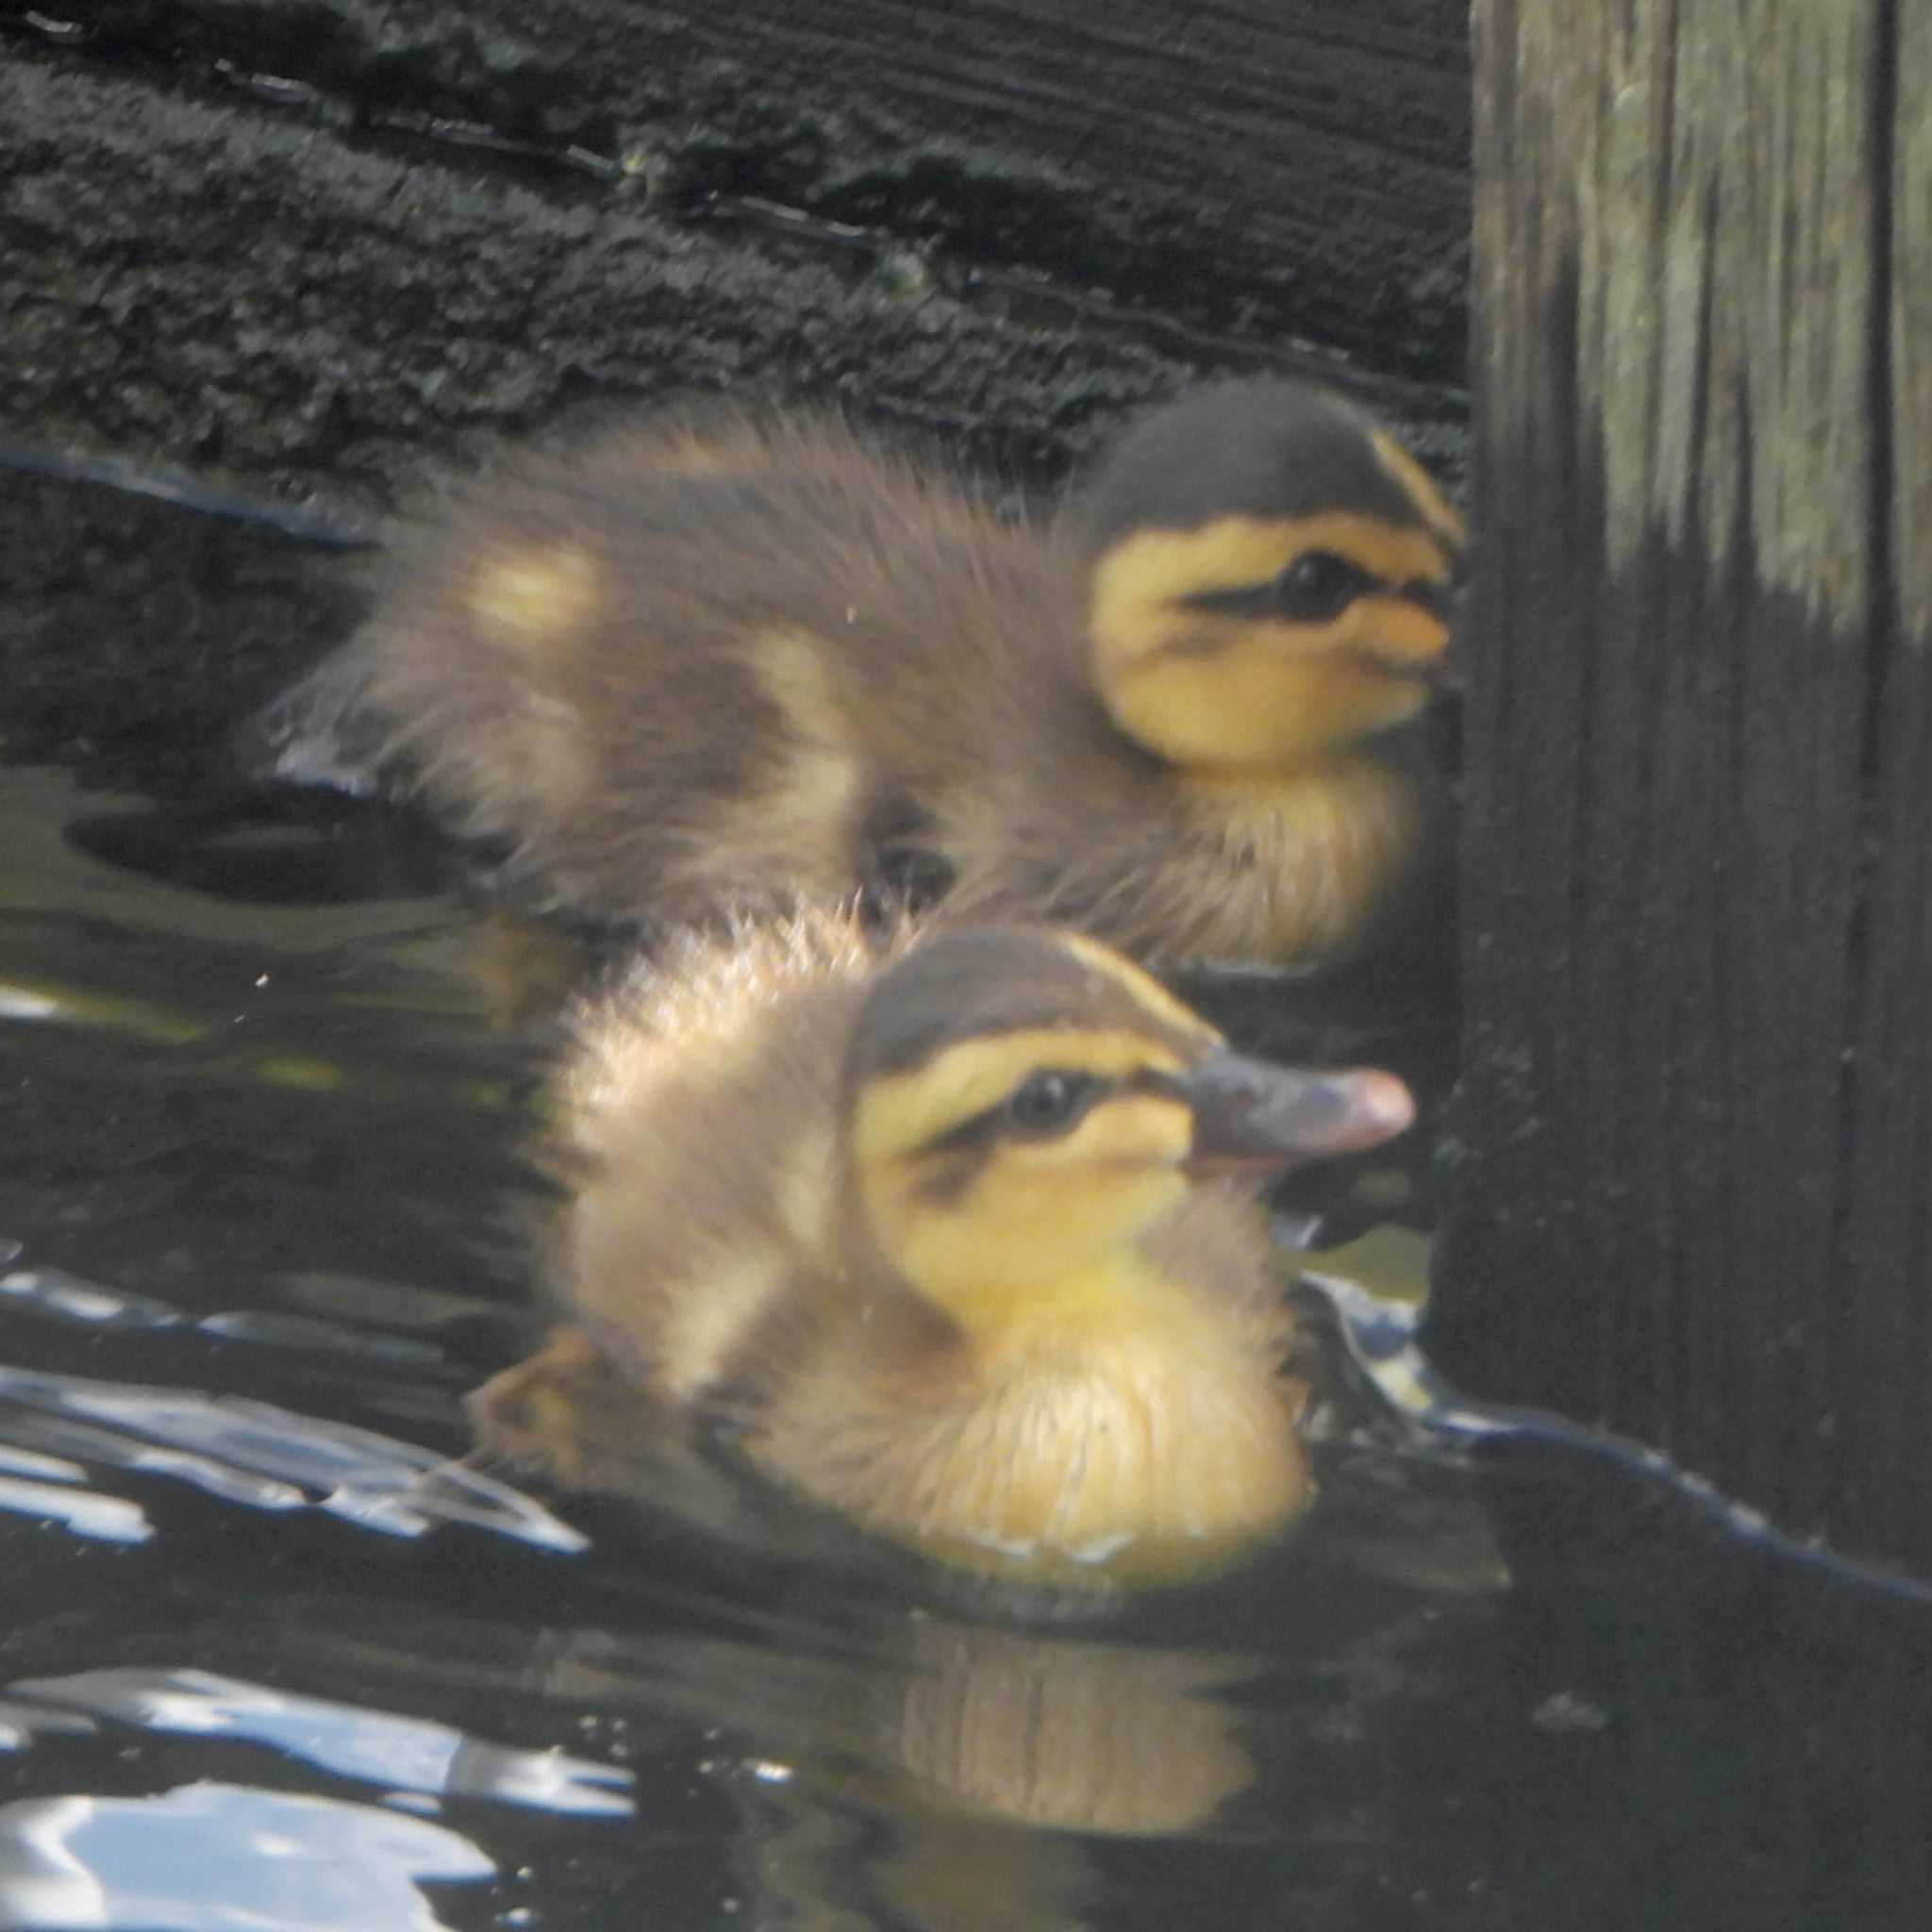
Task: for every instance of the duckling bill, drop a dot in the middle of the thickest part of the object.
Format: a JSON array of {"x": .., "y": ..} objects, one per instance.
[
  {"x": 965, "y": 1247},
  {"x": 713, "y": 665}
]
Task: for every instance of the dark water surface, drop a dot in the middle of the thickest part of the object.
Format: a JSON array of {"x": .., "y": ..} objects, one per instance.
[{"x": 271, "y": 1659}]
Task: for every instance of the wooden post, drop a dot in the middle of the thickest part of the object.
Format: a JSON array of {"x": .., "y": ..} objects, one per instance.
[{"x": 1698, "y": 851}]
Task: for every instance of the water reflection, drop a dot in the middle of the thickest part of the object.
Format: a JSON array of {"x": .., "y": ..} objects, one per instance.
[
  {"x": 905, "y": 1767},
  {"x": 252, "y": 1453},
  {"x": 211, "y": 1858},
  {"x": 105, "y": 1519},
  {"x": 351, "y": 1741},
  {"x": 19, "y": 1723},
  {"x": 1000, "y": 1724},
  {"x": 247, "y": 1149},
  {"x": 55, "y": 1291},
  {"x": 60, "y": 1296},
  {"x": 1080, "y": 1736},
  {"x": 803, "y": 1727}
]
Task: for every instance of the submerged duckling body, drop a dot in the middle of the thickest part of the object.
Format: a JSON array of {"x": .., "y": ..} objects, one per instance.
[
  {"x": 690, "y": 668},
  {"x": 963, "y": 1246}
]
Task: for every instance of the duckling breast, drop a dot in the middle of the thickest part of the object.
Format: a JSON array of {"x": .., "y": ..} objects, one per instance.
[
  {"x": 1181, "y": 869},
  {"x": 1152, "y": 1440}
]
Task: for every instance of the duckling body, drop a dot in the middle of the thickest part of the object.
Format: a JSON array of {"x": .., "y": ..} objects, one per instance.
[
  {"x": 1302, "y": 868},
  {"x": 945, "y": 1243},
  {"x": 679, "y": 671},
  {"x": 695, "y": 668}
]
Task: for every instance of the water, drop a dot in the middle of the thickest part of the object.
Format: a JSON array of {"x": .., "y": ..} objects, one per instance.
[{"x": 275, "y": 1657}]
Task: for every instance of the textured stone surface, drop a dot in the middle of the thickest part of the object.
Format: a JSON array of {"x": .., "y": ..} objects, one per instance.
[{"x": 309, "y": 256}]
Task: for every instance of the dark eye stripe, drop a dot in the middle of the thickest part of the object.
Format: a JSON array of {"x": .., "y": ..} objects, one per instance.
[
  {"x": 1264, "y": 600},
  {"x": 1260, "y": 600},
  {"x": 995, "y": 1122},
  {"x": 1439, "y": 600},
  {"x": 1238, "y": 600}
]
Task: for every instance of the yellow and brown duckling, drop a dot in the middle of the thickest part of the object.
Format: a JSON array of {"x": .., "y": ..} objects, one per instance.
[
  {"x": 699, "y": 665},
  {"x": 963, "y": 1244}
]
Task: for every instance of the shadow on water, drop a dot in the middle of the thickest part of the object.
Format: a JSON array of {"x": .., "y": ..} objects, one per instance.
[{"x": 273, "y": 1657}]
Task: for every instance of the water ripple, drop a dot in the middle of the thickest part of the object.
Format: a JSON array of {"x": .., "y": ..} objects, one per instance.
[
  {"x": 352, "y": 1740},
  {"x": 249, "y": 1452},
  {"x": 211, "y": 1857}
]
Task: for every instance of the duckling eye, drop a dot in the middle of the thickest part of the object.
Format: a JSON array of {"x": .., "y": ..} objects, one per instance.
[
  {"x": 1318, "y": 584},
  {"x": 1049, "y": 1100}
]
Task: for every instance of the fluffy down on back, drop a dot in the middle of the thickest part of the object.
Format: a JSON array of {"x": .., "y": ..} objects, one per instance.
[{"x": 722, "y": 665}]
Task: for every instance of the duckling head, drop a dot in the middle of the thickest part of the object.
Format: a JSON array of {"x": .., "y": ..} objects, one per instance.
[
  {"x": 1270, "y": 578},
  {"x": 1025, "y": 1107}
]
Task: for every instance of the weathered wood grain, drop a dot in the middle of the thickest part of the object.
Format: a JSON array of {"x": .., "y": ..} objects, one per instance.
[
  {"x": 1693, "y": 868},
  {"x": 1886, "y": 1273},
  {"x": 1301, "y": 167},
  {"x": 352, "y": 226},
  {"x": 320, "y": 252}
]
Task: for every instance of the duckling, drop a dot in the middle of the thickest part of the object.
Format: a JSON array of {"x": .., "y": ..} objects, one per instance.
[
  {"x": 962, "y": 1243},
  {"x": 1223, "y": 774},
  {"x": 707, "y": 664}
]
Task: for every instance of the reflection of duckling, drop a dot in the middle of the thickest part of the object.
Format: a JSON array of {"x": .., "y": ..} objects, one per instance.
[
  {"x": 959, "y": 1244},
  {"x": 698, "y": 666}
]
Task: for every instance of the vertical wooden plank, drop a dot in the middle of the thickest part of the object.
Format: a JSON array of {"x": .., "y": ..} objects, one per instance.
[
  {"x": 1683, "y": 239},
  {"x": 1886, "y": 1268},
  {"x": 1912, "y": 322}
]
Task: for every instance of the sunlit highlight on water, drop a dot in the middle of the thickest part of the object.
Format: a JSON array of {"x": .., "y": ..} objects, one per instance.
[
  {"x": 352, "y": 1740},
  {"x": 212, "y": 1858}
]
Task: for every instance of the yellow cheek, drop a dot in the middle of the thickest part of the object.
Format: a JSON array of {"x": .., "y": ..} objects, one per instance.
[
  {"x": 1394, "y": 628},
  {"x": 1256, "y": 708},
  {"x": 1040, "y": 1217},
  {"x": 1349, "y": 701},
  {"x": 1101, "y": 1184},
  {"x": 1031, "y": 1251},
  {"x": 1259, "y": 693}
]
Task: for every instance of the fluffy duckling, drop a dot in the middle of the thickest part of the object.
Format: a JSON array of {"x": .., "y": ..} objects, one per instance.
[
  {"x": 721, "y": 664},
  {"x": 963, "y": 1244}
]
